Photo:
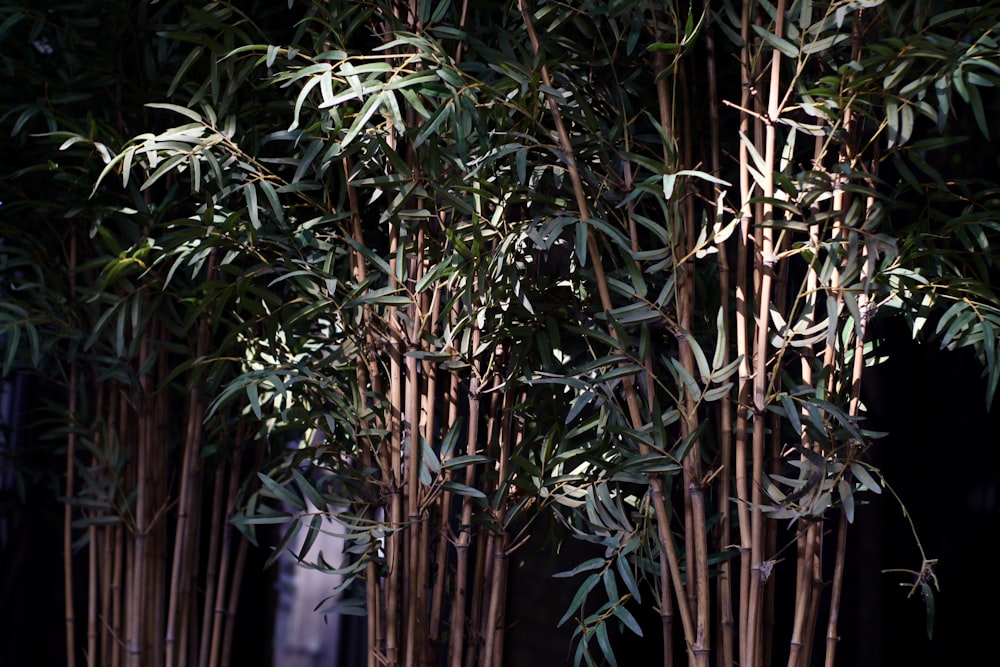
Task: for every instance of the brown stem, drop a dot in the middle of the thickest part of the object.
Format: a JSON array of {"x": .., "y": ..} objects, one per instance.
[
  {"x": 817, "y": 585},
  {"x": 494, "y": 620},
  {"x": 832, "y": 638},
  {"x": 73, "y": 390},
  {"x": 216, "y": 532},
  {"x": 117, "y": 590},
  {"x": 593, "y": 252},
  {"x": 744, "y": 326},
  {"x": 437, "y": 598},
  {"x": 804, "y": 563},
  {"x": 463, "y": 541},
  {"x": 217, "y": 594},
  {"x": 92, "y": 596}
]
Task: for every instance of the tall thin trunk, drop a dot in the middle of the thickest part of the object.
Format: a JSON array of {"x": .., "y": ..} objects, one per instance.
[{"x": 73, "y": 390}]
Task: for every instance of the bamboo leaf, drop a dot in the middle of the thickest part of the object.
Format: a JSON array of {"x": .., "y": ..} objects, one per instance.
[
  {"x": 846, "y": 498},
  {"x": 605, "y": 643},
  {"x": 585, "y": 566},
  {"x": 463, "y": 490},
  {"x": 628, "y": 578},
  {"x": 463, "y": 461},
  {"x": 579, "y": 597},
  {"x": 184, "y": 111},
  {"x": 861, "y": 473},
  {"x": 783, "y": 45},
  {"x": 281, "y": 493},
  {"x": 626, "y": 617},
  {"x": 284, "y": 543},
  {"x": 312, "y": 533}
]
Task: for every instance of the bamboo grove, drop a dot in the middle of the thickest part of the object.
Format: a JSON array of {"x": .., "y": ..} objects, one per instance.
[{"x": 419, "y": 273}]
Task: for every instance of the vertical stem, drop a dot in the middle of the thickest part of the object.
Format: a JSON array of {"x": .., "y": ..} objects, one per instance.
[
  {"x": 817, "y": 586},
  {"x": 74, "y": 387},
  {"x": 725, "y": 640},
  {"x": 107, "y": 572},
  {"x": 92, "y": 595},
  {"x": 437, "y": 598},
  {"x": 694, "y": 495},
  {"x": 117, "y": 590},
  {"x": 137, "y": 615},
  {"x": 463, "y": 541},
  {"x": 804, "y": 570},
  {"x": 744, "y": 324},
  {"x": 832, "y": 638},
  {"x": 417, "y": 590},
  {"x": 635, "y": 414},
  {"x": 218, "y": 528},
  {"x": 499, "y": 579}
]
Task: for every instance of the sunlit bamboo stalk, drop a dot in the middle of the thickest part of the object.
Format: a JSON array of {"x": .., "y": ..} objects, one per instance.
[
  {"x": 744, "y": 334},
  {"x": 656, "y": 484},
  {"x": 463, "y": 540}
]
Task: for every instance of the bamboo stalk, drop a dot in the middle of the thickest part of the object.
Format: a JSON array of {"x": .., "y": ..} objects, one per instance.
[
  {"x": 73, "y": 389},
  {"x": 832, "y": 638},
  {"x": 695, "y": 515},
  {"x": 137, "y": 585},
  {"x": 817, "y": 585},
  {"x": 217, "y": 594},
  {"x": 744, "y": 326},
  {"x": 656, "y": 485},
  {"x": 726, "y": 630},
  {"x": 494, "y": 616},
  {"x": 234, "y": 598},
  {"x": 92, "y": 595},
  {"x": 116, "y": 597},
  {"x": 416, "y": 590},
  {"x": 803, "y": 591},
  {"x": 764, "y": 276},
  {"x": 367, "y": 373},
  {"x": 106, "y": 576},
  {"x": 482, "y": 574},
  {"x": 437, "y": 597},
  {"x": 463, "y": 541},
  {"x": 237, "y": 573},
  {"x": 216, "y": 531},
  {"x": 186, "y": 526}
]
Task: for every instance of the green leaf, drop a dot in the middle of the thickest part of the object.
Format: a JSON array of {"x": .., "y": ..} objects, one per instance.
[
  {"x": 281, "y": 493},
  {"x": 605, "y": 644},
  {"x": 585, "y": 566},
  {"x": 847, "y": 498},
  {"x": 184, "y": 111},
  {"x": 783, "y": 45},
  {"x": 628, "y": 578},
  {"x": 463, "y": 461},
  {"x": 463, "y": 490},
  {"x": 928, "y": 595},
  {"x": 863, "y": 476},
  {"x": 626, "y": 617},
  {"x": 581, "y": 595}
]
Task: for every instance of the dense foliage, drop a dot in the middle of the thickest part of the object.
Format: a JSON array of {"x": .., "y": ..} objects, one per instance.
[{"x": 422, "y": 272}]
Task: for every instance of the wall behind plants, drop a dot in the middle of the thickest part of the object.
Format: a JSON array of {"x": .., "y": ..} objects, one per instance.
[{"x": 489, "y": 266}]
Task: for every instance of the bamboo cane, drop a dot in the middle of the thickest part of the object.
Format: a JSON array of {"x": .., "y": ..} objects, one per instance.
[
  {"x": 216, "y": 531},
  {"x": 656, "y": 485},
  {"x": 494, "y": 614},
  {"x": 92, "y": 595},
  {"x": 744, "y": 329},
  {"x": 73, "y": 389},
  {"x": 416, "y": 589},
  {"x": 463, "y": 541}
]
